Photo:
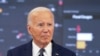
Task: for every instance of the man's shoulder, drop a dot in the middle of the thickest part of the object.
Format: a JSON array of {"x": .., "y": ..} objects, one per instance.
[
  {"x": 64, "y": 51},
  {"x": 21, "y": 50},
  {"x": 21, "y": 47}
]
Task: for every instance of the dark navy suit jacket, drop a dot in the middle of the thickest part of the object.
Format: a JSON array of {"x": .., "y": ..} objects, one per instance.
[{"x": 26, "y": 50}]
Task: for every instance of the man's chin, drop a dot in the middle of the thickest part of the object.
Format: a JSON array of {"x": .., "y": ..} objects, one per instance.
[{"x": 45, "y": 42}]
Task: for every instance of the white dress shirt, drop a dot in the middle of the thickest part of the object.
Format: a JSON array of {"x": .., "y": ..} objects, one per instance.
[{"x": 35, "y": 49}]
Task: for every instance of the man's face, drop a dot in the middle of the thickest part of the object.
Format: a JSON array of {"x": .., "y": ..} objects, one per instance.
[{"x": 42, "y": 28}]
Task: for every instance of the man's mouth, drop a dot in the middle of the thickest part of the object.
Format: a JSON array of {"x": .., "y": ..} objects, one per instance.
[{"x": 45, "y": 35}]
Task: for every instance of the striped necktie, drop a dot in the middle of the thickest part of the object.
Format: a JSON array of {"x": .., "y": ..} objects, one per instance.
[{"x": 41, "y": 52}]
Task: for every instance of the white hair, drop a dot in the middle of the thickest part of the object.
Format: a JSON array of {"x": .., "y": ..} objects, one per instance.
[{"x": 37, "y": 10}]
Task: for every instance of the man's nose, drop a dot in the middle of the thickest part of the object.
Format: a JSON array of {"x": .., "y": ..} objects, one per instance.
[{"x": 45, "y": 30}]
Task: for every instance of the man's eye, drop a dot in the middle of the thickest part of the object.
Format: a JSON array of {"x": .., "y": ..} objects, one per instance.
[
  {"x": 49, "y": 24},
  {"x": 40, "y": 24}
]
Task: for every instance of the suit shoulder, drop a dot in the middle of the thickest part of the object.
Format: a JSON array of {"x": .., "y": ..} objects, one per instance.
[
  {"x": 21, "y": 47},
  {"x": 20, "y": 50},
  {"x": 65, "y": 51}
]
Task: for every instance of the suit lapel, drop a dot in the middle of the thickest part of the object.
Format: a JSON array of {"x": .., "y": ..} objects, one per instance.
[
  {"x": 28, "y": 50},
  {"x": 55, "y": 50}
]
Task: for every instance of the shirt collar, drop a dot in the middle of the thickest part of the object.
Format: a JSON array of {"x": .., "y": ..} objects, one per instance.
[
  {"x": 48, "y": 49},
  {"x": 35, "y": 49}
]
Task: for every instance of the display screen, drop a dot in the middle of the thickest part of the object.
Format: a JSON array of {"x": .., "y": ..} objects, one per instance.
[{"x": 76, "y": 24}]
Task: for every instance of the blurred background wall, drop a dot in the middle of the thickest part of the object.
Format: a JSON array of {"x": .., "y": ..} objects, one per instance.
[{"x": 77, "y": 24}]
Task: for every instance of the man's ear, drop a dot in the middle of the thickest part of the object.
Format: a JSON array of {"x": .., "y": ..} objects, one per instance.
[{"x": 29, "y": 29}]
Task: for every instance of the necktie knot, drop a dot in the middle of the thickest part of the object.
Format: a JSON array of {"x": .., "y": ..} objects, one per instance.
[{"x": 41, "y": 52}]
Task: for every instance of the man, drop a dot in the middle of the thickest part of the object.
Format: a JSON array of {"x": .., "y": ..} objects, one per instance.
[{"x": 40, "y": 25}]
